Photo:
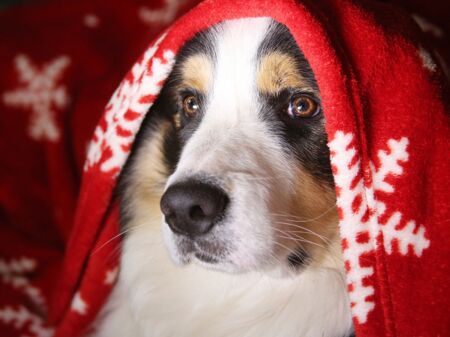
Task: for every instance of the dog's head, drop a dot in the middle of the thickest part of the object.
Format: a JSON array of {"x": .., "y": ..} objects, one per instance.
[{"x": 234, "y": 152}]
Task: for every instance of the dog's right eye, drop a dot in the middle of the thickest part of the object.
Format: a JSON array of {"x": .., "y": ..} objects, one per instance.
[
  {"x": 191, "y": 105},
  {"x": 302, "y": 106}
]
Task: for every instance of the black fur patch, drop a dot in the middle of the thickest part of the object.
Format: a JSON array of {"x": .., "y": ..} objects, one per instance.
[
  {"x": 306, "y": 138},
  {"x": 164, "y": 109},
  {"x": 202, "y": 43},
  {"x": 298, "y": 259}
]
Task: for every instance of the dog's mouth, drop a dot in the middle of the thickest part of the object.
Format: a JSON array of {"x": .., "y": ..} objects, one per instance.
[
  {"x": 199, "y": 250},
  {"x": 206, "y": 258},
  {"x": 211, "y": 251}
]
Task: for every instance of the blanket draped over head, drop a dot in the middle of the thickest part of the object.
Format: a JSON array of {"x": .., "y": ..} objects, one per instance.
[{"x": 386, "y": 108}]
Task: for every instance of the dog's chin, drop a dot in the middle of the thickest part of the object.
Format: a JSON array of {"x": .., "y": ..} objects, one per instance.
[
  {"x": 184, "y": 251},
  {"x": 214, "y": 263}
]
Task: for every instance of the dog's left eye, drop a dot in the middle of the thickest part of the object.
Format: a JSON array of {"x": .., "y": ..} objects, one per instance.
[
  {"x": 302, "y": 106},
  {"x": 191, "y": 105}
]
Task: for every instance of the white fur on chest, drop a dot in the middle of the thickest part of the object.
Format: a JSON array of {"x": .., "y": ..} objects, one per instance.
[{"x": 155, "y": 298}]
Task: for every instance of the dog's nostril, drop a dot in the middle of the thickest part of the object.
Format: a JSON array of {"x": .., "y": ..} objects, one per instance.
[
  {"x": 193, "y": 207},
  {"x": 196, "y": 213}
]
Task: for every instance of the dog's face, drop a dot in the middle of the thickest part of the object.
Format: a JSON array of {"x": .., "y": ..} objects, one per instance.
[{"x": 234, "y": 153}]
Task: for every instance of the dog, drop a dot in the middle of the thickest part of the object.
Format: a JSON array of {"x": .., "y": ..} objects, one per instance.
[{"x": 227, "y": 199}]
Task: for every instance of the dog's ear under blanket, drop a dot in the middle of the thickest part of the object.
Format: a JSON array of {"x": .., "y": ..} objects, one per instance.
[{"x": 386, "y": 107}]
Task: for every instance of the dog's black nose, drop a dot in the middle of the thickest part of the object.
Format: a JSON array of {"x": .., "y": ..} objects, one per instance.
[{"x": 192, "y": 207}]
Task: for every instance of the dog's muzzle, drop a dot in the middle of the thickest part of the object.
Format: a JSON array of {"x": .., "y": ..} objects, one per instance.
[{"x": 192, "y": 207}]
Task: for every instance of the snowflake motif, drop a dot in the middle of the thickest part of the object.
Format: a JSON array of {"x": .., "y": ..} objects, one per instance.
[
  {"x": 13, "y": 273},
  {"x": 361, "y": 216},
  {"x": 427, "y": 59},
  {"x": 78, "y": 304},
  {"x": 163, "y": 15},
  {"x": 41, "y": 93},
  {"x": 114, "y": 135},
  {"x": 24, "y": 320},
  {"x": 91, "y": 20}
]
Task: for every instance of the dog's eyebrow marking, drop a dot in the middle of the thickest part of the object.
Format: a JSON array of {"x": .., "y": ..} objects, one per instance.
[
  {"x": 196, "y": 73},
  {"x": 278, "y": 71}
]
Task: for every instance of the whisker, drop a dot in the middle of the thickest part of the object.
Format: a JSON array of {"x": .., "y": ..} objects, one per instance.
[
  {"x": 288, "y": 249},
  {"x": 307, "y": 230},
  {"x": 252, "y": 176},
  {"x": 330, "y": 247},
  {"x": 291, "y": 251},
  {"x": 302, "y": 219},
  {"x": 301, "y": 239},
  {"x": 121, "y": 234}
]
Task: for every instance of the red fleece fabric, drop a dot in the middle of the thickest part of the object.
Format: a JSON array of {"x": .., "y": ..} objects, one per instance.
[
  {"x": 59, "y": 63},
  {"x": 386, "y": 104}
]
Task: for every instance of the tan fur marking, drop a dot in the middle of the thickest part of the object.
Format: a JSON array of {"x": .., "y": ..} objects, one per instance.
[
  {"x": 148, "y": 178},
  {"x": 197, "y": 73},
  {"x": 313, "y": 223},
  {"x": 278, "y": 71},
  {"x": 177, "y": 120}
]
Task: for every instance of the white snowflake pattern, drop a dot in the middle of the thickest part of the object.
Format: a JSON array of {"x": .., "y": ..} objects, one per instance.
[
  {"x": 78, "y": 304},
  {"x": 91, "y": 20},
  {"x": 123, "y": 115},
  {"x": 361, "y": 212},
  {"x": 14, "y": 273},
  {"x": 162, "y": 15},
  {"x": 427, "y": 59},
  {"x": 24, "y": 320},
  {"x": 40, "y": 93}
]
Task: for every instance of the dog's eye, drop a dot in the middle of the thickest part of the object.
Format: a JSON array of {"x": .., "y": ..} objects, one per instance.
[
  {"x": 191, "y": 105},
  {"x": 302, "y": 106}
]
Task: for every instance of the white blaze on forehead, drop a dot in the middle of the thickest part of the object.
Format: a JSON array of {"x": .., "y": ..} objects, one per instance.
[
  {"x": 231, "y": 120},
  {"x": 234, "y": 94}
]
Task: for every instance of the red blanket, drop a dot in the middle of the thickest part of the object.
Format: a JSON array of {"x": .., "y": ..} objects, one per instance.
[
  {"x": 386, "y": 106},
  {"x": 60, "y": 63}
]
